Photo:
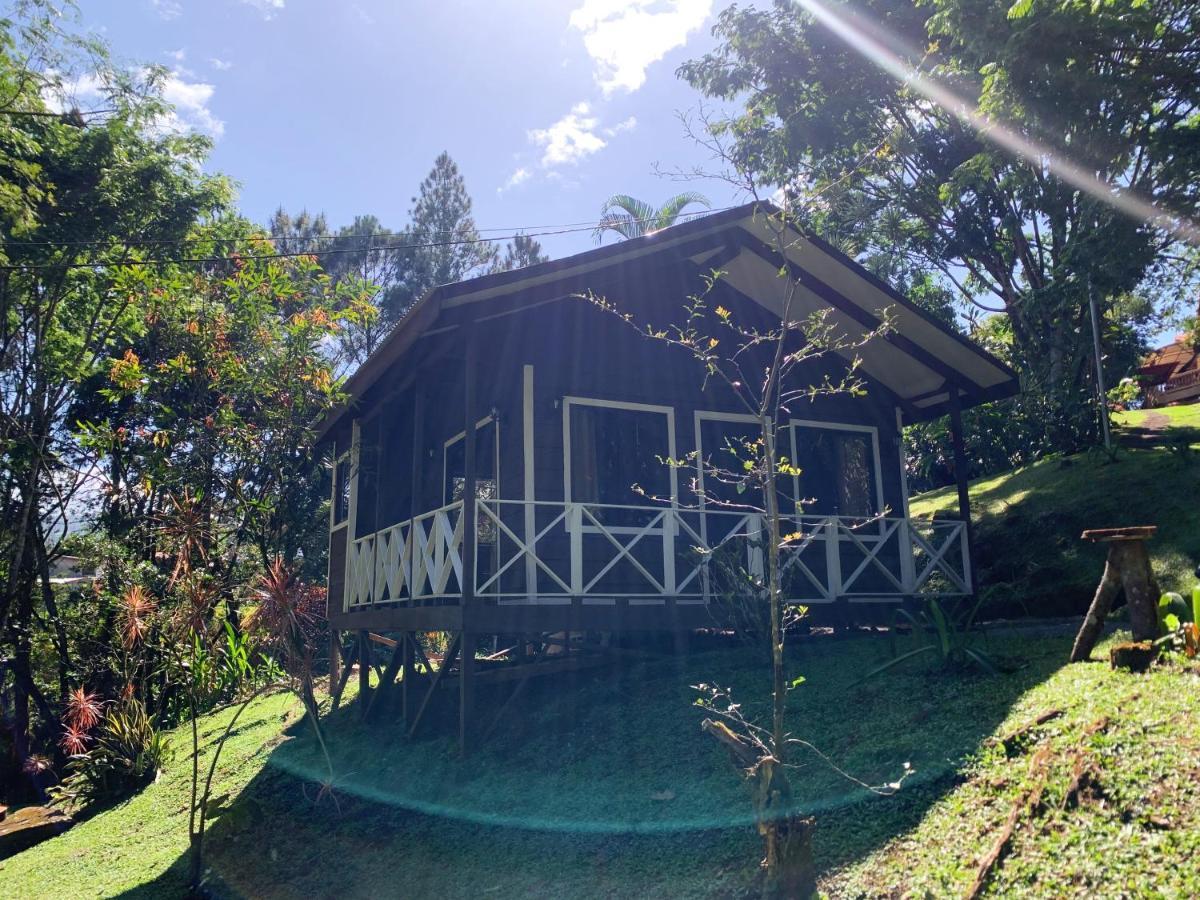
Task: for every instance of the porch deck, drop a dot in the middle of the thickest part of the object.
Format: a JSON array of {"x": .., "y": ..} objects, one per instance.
[{"x": 554, "y": 554}]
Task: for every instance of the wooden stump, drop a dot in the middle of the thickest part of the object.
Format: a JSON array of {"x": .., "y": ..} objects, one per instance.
[
  {"x": 1135, "y": 657},
  {"x": 1127, "y": 568}
]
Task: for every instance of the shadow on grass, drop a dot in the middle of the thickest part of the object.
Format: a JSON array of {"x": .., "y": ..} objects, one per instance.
[{"x": 603, "y": 784}]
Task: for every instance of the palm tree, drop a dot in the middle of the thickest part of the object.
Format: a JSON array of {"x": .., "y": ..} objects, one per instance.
[{"x": 630, "y": 217}]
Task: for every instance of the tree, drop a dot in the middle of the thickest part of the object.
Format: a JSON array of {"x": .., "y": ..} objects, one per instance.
[
  {"x": 76, "y": 194},
  {"x": 446, "y": 246},
  {"x": 629, "y": 218},
  {"x": 881, "y": 164},
  {"x": 522, "y": 251}
]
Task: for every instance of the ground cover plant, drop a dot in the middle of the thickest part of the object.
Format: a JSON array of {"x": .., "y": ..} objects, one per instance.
[{"x": 603, "y": 788}]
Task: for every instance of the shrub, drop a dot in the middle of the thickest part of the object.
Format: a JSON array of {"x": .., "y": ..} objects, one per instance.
[{"x": 129, "y": 751}]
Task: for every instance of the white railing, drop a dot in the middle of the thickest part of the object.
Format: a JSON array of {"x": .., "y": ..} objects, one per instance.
[
  {"x": 1176, "y": 388},
  {"x": 554, "y": 552}
]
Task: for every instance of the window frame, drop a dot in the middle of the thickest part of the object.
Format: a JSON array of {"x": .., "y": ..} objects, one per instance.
[
  {"x": 334, "y": 523},
  {"x": 871, "y": 430},
  {"x": 450, "y": 442},
  {"x": 667, "y": 411}
]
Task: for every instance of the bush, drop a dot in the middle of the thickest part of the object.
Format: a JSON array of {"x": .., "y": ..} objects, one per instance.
[{"x": 129, "y": 752}]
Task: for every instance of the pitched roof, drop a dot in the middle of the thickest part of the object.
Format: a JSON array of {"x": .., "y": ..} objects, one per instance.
[{"x": 920, "y": 361}]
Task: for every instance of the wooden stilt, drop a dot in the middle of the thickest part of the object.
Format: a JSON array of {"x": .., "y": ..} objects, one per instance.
[
  {"x": 347, "y": 667},
  {"x": 466, "y": 693},
  {"x": 335, "y": 660},
  {"x": 364, "y": 673},
  {"x": 447, "y": 662},
  {"x": 407, "y": 677}
]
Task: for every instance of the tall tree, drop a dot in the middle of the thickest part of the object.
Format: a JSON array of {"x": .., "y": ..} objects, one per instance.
[
  {"x": 76, "y": 194},
  {"x": 446, "y": 246},
  {"x": 881, "y": 164},
  {"x": 629, "y": 217},
  {"x": 522, "y": 251}
]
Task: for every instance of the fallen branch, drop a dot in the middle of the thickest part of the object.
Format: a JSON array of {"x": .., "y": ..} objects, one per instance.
[
  {"x": 1027, "y": 803},
  {"x": 1010, "y": 740},
  {"x": 744, "y": 753}
]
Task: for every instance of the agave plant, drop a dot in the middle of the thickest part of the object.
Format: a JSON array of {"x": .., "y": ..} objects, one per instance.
[
  {"x": 631, "y": 218},
  {"x": 943, "y": 631}
]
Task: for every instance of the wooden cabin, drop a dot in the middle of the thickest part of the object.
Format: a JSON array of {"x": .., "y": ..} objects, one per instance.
[{"x": 509, "y": 402}]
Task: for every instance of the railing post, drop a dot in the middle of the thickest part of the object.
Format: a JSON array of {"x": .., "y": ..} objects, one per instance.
[
  {"x": 668, "y": 536},
  {"x": 575, "y": 518},
  {"x": 833, "y": 558},
  {"x": 964, "y": 536},
  {"x": 908, "y": 575}
]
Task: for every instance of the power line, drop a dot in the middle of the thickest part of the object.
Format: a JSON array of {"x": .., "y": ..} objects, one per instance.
[
  {"x": 291, "y": 254},
  {"x": 510, "y": 231}
]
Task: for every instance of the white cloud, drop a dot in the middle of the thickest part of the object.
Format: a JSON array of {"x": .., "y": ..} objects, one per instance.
[
  {"x": 178, "y": 55},
  {"x": 520, "y": 176},
  {"x": 221, "y": 65},
  {"x": 570, "y": 139},
  {"x": 167, "y": 9},
  {"x": 626, "y": 125},
  {"x": 267, "y": 8},
  {"x": 625, "y": 37},
  {"x": 190, "y": 99}
]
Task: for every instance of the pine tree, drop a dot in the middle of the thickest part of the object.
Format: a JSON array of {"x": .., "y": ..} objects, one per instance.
[
  {"x": 449, "y": 248},
  {"x": 521, "y": 251}
]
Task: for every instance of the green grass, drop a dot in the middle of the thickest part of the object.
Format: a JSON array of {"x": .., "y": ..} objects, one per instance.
[
  {"x": 1028, "y": 523},
  {"x": 1178, "y": 416},
  {"x": 606, "y": 787}
]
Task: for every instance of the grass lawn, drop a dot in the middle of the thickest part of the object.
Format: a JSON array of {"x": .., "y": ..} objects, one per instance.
[
  {"x": 1028, "y": 521},
  {"x": 606, "y": 787},
  {"x": 1187, "y": 416}
]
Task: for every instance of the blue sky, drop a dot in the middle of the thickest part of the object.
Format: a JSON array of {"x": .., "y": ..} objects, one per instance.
[{"x": 547, "y": 106}]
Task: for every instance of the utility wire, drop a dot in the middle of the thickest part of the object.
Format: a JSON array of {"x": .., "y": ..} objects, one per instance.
[
  {"x": 128, "y": 263},
  {"x": 510, "y": 231}
]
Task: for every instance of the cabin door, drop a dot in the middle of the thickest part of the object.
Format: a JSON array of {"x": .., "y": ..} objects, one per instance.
[{"x": 622, "y": 495}]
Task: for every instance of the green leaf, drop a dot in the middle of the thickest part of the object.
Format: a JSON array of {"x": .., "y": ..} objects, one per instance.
[{"x": 1020, "y": 9}]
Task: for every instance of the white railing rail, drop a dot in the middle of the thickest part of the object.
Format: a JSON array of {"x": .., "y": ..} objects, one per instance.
[{"x": 555, "y": 552}]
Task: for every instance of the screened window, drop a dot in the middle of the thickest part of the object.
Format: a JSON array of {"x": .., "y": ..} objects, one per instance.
[
  {"x": 613, "y": 449},
  {"x": 341, "y": 490},
  {"x": 838, "y": 475}
]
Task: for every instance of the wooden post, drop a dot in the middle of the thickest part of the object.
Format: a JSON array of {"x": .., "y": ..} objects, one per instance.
[
  {"x": 466, "y": 692},
  {"x": 962, "y": 480},
  {"x": 466, "y": 664},
  {"x": 418, "y": 452},
  {"x": 407, "y": 677},
  {"x": 335, "y": 660},
  {"x": 364, "y": 672}
]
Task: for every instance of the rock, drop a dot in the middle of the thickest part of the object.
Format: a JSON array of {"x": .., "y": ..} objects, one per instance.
[{"x": 30, "y": 825}]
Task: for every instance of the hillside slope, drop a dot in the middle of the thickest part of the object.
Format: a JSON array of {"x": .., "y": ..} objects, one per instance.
[
  {"x": 1028, "y": 521},
  {"x": 606, "y": 787}
]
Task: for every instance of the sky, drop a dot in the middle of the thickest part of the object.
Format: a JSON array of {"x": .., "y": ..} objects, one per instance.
[{"x": 548, "y": 106}]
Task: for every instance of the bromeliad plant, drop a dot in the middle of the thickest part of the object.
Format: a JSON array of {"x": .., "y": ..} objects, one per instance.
[
  {"x": 942, "y": 630},
  {"x": 1180, "y": 621}
]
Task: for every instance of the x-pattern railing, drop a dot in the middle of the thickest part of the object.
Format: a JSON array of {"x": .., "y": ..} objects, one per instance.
[{"x": 549, "y": 551}]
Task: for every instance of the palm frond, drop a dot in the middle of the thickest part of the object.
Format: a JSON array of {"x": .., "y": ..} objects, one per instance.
[{"x": 669, "y": 212}]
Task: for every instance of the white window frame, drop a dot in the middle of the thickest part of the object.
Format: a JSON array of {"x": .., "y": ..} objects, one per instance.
[
  {"x": 668, "y": 411},
  {"x": 334, "y": 524},
  {"x": 482, "y": 423},
  {"x": 872, "y": 430}
]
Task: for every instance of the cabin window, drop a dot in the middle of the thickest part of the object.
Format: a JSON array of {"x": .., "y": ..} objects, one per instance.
[
  {"x": 366, "y": 506},
  {"x": 613, "y": 447},
  {"x": 839, "y": 469},
  {"x": 341, "y": 490},
  {"x": 487, "y": 469}
]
